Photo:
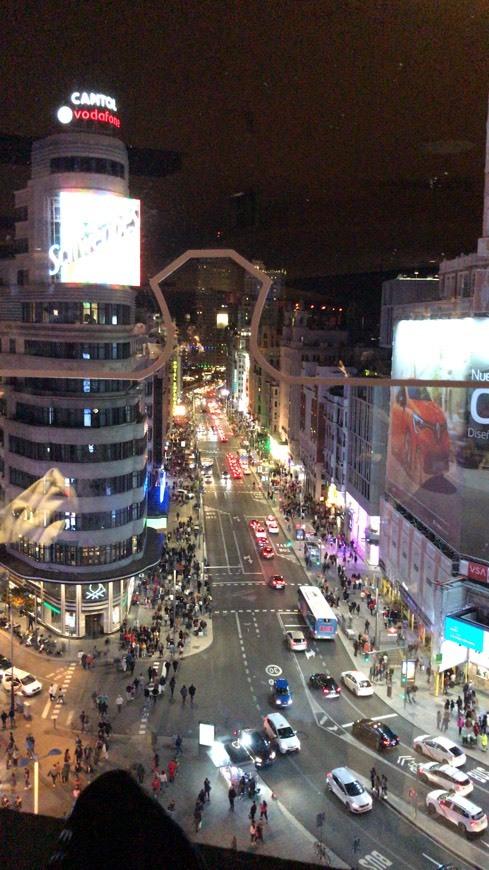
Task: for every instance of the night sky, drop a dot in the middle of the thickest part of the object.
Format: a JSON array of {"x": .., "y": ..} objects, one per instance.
[{"x": 358, "y": 126}]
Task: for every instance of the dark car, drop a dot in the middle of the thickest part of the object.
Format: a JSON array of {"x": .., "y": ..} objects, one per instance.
[
  {"x": 257, "y": 747},
  {"x": 326, "y": 684},
  {"x": 5, "y": 664},
  {"x": 376, "y": 734}
]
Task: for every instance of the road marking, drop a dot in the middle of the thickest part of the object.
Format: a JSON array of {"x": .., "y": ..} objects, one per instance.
[
  {"x": 403, "y": 758},
  {"x": 44, "y": 714},
  {"x": 482, "y": 843},
  {"x": 238, "y": 626},
  {"x": 386, "y": 716}
]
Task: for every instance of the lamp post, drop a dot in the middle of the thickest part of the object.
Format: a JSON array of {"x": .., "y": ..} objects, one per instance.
[{"x": 36, "y": 759}]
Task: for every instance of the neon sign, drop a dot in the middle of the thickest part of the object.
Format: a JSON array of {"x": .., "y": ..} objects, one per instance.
[
  {"x": 97, "y": 240},
  {"x": 88, "y": 108}
]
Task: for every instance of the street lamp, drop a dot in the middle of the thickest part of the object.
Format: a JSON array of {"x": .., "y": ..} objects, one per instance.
[{"x": 36, "y": 759}]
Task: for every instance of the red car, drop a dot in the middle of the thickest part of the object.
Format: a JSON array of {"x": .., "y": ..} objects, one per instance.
[
  {"x": 419, "y": 433},
  {"x": 267, "y": 552},
  {"x": 276, "y": 581}
]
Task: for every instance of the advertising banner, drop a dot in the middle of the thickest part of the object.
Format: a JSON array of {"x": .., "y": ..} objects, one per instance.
[
  {"x": 438, "y": 451},
  {"x": 96, "y": 239}
]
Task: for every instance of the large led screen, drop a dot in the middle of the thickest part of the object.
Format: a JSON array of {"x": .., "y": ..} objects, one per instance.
[
  {"x": 96, "y": 239},
  {"x": 438, "y": 453}
]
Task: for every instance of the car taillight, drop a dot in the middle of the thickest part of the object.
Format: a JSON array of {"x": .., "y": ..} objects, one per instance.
[{"x": 385, "y": 742}]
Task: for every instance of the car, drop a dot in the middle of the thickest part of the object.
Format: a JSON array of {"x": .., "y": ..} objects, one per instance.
[
  {"x": 254, "y": 524},
  {"x": 276, "y": 581},
  {"x": 440, "y": 749},
  {"x": 357, "y": 683},
  {"x": 419, "y": 433},
  {"x": 296, "y": 640},
  {"x": 376, "y": 734},
  {"x": 260, "y": 533},
  {"x": 326, "y": 684},
  {"x": 278, "y": 729},
  {"x": 208, "y": 478},
  {"x": 446, "y": 776},
  {"x": 23, "y": 682},
  {"x": 345, "y": 785},
  {"x": 282, "y": 696},
  {"x": 257, "y": 747},
  {"x": 267, "y": 552},
  {"x": 225, "y": 474},
  {"x": 5, "y": 664},
  {"x": 459, "y": 811},
  {"x": 185, "y": 494},
  {"x": 272, "y": 525}
]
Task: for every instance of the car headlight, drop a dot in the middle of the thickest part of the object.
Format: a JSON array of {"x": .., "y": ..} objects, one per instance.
[
  {"x": 258, "y": 759},
  {"x": 272, "y": 755}
]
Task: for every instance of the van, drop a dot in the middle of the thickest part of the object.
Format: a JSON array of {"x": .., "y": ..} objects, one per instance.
[{"x": 277, "y": 728}]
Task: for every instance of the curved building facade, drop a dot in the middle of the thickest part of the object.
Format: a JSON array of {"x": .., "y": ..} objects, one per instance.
[{"x": 73, "y": 422}]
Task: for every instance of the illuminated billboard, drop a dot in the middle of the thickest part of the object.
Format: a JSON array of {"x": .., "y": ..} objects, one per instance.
[
  {"x": 96, "y": 239},
  {"x": 438, "y": 453}
]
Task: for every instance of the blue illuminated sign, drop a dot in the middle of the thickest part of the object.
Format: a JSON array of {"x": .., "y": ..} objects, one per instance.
[{"x": 464, "y": 633}]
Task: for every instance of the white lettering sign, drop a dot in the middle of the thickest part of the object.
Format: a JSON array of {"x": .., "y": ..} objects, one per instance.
[{"x": 83, "y": 98}]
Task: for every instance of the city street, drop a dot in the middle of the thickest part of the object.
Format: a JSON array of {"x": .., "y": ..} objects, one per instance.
[{"x": 233, "y": 670}]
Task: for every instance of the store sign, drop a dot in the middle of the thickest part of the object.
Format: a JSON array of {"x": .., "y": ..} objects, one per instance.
[
  {"x": 464, "y": 633},
  {"x": 95, "y": 592},
  {"x": 89, "y": 106},
  {"x": 98, "y": 239}
]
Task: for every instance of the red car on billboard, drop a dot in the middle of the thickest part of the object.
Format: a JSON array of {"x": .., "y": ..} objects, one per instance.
[{"x": 419, "y": 433}]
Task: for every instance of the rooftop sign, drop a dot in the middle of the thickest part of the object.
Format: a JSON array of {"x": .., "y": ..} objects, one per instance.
[{"x": 89, "y": 106}]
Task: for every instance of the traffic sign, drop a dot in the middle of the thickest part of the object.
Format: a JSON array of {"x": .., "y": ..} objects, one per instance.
[{"x": 273, "y": 670}]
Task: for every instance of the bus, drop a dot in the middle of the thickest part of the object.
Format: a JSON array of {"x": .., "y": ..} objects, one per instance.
[{"x": 321, "y": 621}]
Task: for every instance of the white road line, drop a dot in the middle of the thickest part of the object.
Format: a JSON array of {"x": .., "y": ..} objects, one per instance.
[
  {"x": 238, "y": 626},
  {"x": 44, "y": 714},
  {"x": 482, "y": 843},
  {"x": 429, "y": 858}
]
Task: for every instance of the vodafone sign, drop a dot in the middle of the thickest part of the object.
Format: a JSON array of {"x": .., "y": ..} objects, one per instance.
[{"x": 89, "y": 106}]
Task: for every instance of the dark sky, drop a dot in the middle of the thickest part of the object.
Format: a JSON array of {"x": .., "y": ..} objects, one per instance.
[{"x": 360, "y": 126}]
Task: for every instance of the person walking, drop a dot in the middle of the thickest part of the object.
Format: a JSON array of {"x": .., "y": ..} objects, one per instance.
[
  {"x": 264, "y": 810},
  {"x": 445, "y": 720},
  {"x": 198, "y": 816},
  {"x": 207, "y": 789},
  {"x": 373, "y": 777},
  {"x": 178, "y": 744},
  {"x": 378, "y": 785},
  {"x": 231, "y": 797},
  {"x": 191, "y": 691},
  {"x": 52, "y": 692},
  {"x": 119, "y": 702},
  {"x": 173, "y": 683},
  {"x": 4, "y": 717},
  {"x": 259, "y": 832},
  {"x": 83, "y": 719},
  {"x": 438, "y": 719},
  {"x": 252, "y": 833},
  {"x": 175, "y": 666},
  {"x": 156, "y": 785},
  {"x": 27, "y": 779},
  {"x": 383, "y": 785},
  {"x": 172, "y": 770},
  {"x": 184, "y": 693},
  {"x": 253, "y": 810}
]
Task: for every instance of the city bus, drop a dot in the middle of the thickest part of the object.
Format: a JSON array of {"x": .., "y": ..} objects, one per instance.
[{"x": 321, "y": 621}]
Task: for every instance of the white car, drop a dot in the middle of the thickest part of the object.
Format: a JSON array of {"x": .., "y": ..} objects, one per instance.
[
  {"x": 296, "y": 640},
  {"x": 357, "y": 683},
  {"x": 466, "y": 816},
  {"x": 446, "y": 776},
  {"x": 344, "y": 784},
  {"x": 23, "y": 682},
  {"x": 440, "y": 749},
  {"x": 272, "y": 525},
  {"x": 278, "y": 729}
]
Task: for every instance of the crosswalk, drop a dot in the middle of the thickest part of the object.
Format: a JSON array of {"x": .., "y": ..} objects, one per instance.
[{"x": 62, "y": 678}]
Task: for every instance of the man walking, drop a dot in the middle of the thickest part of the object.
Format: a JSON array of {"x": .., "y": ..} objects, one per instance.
[
  {"x": 373, "y": 776},
  {"x": 253, "y": 809},
  {"x": 231, "y": 797},
  {"x": 173, "y": 683},
  {"x": 119, "y": 702},
  {"x": 207, "y": 789},
  {"x": 191, "y": 691},
  {"x": 184, "y": 693}
]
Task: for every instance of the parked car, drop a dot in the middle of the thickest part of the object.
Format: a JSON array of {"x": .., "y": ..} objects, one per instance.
[
  {"x": 376, "y": 734},
  {"x": 272, "y": 525},
  {"x": 278, "y": 729},
  {"x": 446, "y": 776},
  {"x": 23, "y": 682},
  {"x": 357, "y": 683},
  {"x": 326, "y": 684},
  {"x": 344, "y": 784},
  {"x": 457, "y": 810},
  {"x": 440, "y": 749}
]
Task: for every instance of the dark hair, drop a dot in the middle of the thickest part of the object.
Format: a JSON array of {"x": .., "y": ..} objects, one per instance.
[{"x": 114, "y": 823}]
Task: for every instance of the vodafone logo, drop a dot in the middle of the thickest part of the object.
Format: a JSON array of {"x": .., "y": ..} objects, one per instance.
[{"x": 89, "y": 106}]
